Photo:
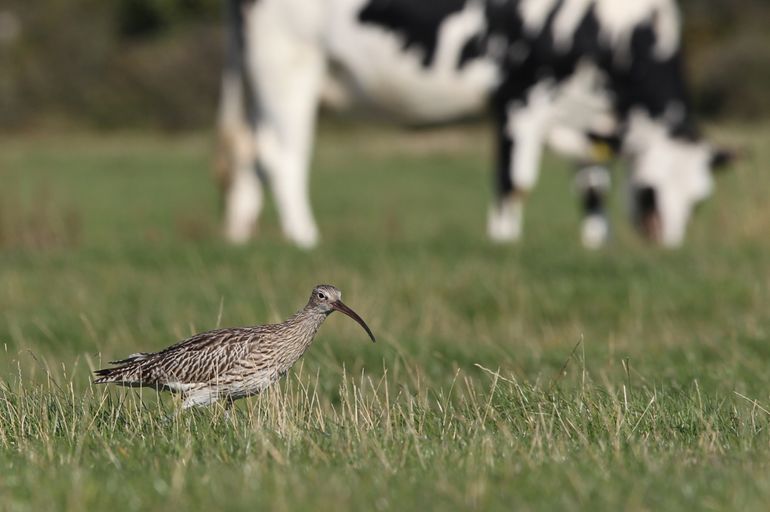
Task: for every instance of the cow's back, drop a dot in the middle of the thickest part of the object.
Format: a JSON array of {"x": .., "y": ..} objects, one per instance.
[{"x": 416, "y": 60}]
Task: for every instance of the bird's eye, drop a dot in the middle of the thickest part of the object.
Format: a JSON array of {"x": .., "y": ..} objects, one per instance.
[{"x": 321, "y": 295}]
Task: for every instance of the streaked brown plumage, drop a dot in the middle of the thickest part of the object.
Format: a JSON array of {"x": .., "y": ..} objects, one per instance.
[{"x": 230, "y": 363}]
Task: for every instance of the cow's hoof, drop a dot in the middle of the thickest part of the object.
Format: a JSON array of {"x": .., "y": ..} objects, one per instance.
[
  {"x": 502, "y": 227},
  {"x": 304, "y": 239},
  {"x": 238, "y": 235},
  {"x": 594, "y": 232}
]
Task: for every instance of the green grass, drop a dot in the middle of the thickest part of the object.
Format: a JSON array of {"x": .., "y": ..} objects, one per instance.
[{"x": 534, "y": 377}]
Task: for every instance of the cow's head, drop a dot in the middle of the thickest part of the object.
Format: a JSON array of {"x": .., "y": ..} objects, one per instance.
[{"x": 670, "y": 175}]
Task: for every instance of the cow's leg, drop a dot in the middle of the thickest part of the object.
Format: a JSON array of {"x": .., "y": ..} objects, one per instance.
[
  {"x": 287, "y": 71},
  {"x": 241, "y": 186},
  {"x": 243, "y": 196},
  {"x": 236, "y": 160},
  {"x": 520, "y": 130},
  {"x": 592, "y": 183},
  {"x": 505, "y": 213}
]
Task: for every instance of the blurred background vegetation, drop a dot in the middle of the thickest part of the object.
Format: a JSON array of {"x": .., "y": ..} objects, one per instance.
[{"x": 155, "y": 63}]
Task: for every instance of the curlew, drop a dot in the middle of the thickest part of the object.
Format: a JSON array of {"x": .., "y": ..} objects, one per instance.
[{"x": 233, "y": 363}]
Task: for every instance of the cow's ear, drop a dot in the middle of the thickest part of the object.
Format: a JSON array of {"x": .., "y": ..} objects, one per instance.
[{"x": 722, "y": 159}]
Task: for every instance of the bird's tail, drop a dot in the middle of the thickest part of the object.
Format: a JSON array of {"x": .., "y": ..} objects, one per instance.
[
  {"x": 118, "y": 375},
  {"x": 107, "y": 375},
  {"x": 124, "y": 373},
  {"x": 132, "y": 358}
]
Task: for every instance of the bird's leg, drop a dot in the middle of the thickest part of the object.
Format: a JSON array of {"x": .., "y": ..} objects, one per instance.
[
  {"x": 170, "y": 418},
  {"x": 228, "y": 406}
]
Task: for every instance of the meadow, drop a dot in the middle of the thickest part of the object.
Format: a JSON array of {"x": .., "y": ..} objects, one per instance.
[{"x": 531, "y": 377}]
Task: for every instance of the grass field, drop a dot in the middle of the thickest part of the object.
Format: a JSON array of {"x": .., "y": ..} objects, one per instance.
[{"x": 534, "y": 377}]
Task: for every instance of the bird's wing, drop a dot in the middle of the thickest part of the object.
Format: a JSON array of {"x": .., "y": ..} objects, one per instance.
[
  {"x": 206, "y": 356},
  {"x": 200, "y": 358}
]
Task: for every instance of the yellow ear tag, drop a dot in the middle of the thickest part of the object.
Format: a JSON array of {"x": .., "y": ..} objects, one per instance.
[{"x": 602, "y": 152}]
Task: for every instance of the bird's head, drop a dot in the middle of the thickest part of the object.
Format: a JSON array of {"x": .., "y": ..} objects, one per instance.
[{"x": 327, "y": 299}]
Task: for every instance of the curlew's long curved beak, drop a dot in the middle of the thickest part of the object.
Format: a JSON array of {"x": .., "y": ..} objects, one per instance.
[{"x": 338, "y": 305}]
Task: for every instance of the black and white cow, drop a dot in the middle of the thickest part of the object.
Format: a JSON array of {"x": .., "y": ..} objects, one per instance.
[{"x": 574, "y": 74}]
